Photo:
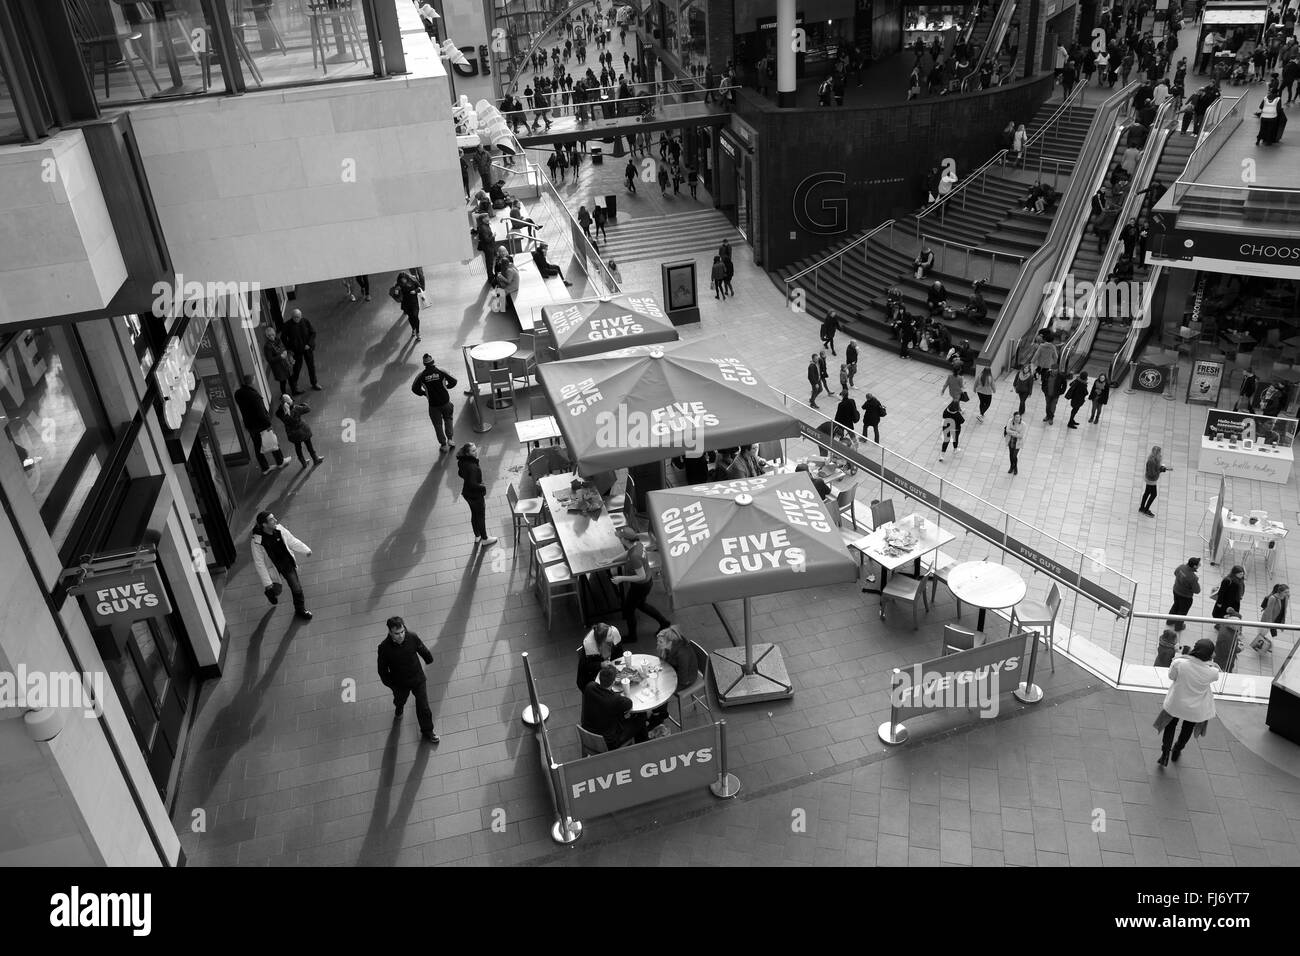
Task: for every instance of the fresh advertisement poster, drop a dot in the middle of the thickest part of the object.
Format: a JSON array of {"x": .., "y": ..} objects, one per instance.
[{"x": 1204, "y": 383}]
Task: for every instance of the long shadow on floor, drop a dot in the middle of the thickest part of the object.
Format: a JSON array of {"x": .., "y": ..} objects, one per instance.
[
  {"x": 451, "y": 637},
  {"x": 383, "y": 837},
  {"x": 396, "y": 373},
  {"x": 404, "y": 548},
  {"x": 382, "y": 350},
  {"x": 241, "y": 719}
]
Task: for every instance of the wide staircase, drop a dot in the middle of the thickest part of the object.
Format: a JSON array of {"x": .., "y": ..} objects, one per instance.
[
  {"x": 988, "y": 217},
  {"x": 1109, "y": 338}
]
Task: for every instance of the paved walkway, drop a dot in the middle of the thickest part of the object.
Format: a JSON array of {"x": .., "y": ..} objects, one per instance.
[{"x": 296, "y": 760}]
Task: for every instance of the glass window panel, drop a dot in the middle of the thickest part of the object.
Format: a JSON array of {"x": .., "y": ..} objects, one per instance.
[
  {"x": 146, "y": 49},
  {"x": 152, "y": 655},
  {"x": 10, "y": 130},
  {"x": 45, "y": 416},
  {"x": 215, "y": 367},
  {"x": 135, "y": 692},
  {"x": 690, "y": 38},
  {"x": 291, "y": 42}
]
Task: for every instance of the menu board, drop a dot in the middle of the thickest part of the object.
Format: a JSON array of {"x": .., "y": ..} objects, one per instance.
[{"x": 1242, "y": 427}]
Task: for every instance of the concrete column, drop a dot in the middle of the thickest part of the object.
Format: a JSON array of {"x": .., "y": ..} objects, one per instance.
[{"x": 785, "y": 58}]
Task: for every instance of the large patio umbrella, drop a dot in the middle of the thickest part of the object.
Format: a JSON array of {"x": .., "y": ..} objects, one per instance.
[
  {"x": 592, "y": 326},
  {"x": 647, "y": 403},
  {"x": 732, "y": 540}
]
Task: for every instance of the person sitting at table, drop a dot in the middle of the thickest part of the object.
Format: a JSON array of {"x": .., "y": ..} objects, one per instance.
[
  {"x": 598, "y": 646},
  {"x": 608, "y": 713},
  {"x": 482, "y": 203},
  {"x": 754, "y": 465},
  {"x": 722, "y": 464},
  {"x": 675, "y": 651},
  {"x": 547, "y": 269},
  {"x": 823, "y": 489}
]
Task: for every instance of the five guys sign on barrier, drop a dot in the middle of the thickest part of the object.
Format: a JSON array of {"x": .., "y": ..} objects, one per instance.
[
  {"x": 630, "y": 776},
  {"x": 1067, "y": 576}
]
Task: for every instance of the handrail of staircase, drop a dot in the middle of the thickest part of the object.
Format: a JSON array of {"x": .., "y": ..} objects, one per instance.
[
  {"x": 999, "y": 159},
  {"x": 997, "y": 30},
  {"x": 1214, "y": 139},
  {"x": 865, "y": 237},
  {"x": 1048, "y": 256},
  {"x": 979, "y": 251},
  {"x": 1079, "y": 344},
  {"x": 1123, "y": 358}
]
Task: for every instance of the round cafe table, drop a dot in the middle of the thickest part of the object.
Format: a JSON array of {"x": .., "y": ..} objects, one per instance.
[
  {"x": 494, "y": 353},
  {"x": 986, "y": 585},
  {"x": 654, "y": 691}
]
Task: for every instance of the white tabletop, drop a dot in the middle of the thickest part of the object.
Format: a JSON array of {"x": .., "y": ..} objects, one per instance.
[
  {"x": 1240, "y": 525},
  {"x": 653, "y": 691},
  {"x": 537, "y": 429},
  {"x": 590, "y": 544},
  {"x": 985, "y": 584},
  {"x": 929, "y": 538},
  {"x": 493, "y": 351}
]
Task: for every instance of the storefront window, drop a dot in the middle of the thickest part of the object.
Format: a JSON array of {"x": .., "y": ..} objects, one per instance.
[
  {"x": 690, "y": 35},
  {"x": 52, "y": 418},
  {"x": 215, "y": 367}
]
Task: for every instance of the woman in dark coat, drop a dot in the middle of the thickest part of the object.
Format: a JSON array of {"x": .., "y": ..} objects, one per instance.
[
  {"x": 846, "y": 416},
  {"x": 872, "y": 413},
  {"x": 297, "y": 430},
  {"x": 408, "y": 292},
  {"x": 1077, "y": 394},
  {"x": 474, "y": 492},
  {"x": 1024, "y": 385},
  {"x": 277, "y": 361},
  {"x": 1099, "y": 396}
]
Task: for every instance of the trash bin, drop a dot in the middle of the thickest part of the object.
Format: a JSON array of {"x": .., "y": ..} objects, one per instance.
[
  {"x": 611, "y": 208},
  {"x": 597, "y": 157}
]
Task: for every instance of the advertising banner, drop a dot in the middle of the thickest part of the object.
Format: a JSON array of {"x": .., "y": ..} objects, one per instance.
[
  {"x": 1242, "y": 427},
  {"x": 1148, "y": 377},
  {"x": 967, "y": 679},
  {"x": 1204, "y": 383},
  {"x": 124, "y": 597},
  {"x": 630, "y": 776}
]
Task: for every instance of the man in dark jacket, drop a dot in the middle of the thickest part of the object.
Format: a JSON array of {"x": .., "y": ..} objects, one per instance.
[
  {"x": 400, "y": 654},
  {"x": 300, "y": 339},
  {"x": 1053, "y": 388},
  {"x": 433, "y": 383},
  {"x": 830, "y": 325},
  {"x": 608, "y": 713},
  {"x": 814, "y": 379},
  {"x": 846, "y": 416},
  {"x": 1186, "y": 586},
  {"x": 252, "y": 409},
  {"x": 1077, "y": 393}
]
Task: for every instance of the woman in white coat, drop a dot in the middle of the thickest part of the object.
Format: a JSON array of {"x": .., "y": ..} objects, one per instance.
[{"x": 1190, "y": 699}]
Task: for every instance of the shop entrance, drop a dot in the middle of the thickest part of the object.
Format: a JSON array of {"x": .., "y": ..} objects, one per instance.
[
  {"x": 735, "y": 183},
  {"x": 210, "y": 496}
]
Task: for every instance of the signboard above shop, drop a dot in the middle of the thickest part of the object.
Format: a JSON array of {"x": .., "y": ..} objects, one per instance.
[{"x": 128, "y": 592}]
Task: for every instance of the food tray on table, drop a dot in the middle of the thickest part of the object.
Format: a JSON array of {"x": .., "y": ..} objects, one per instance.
[{"x": 899, "y": 541}]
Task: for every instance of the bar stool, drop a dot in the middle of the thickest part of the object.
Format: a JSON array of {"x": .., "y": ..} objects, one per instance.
[
  {"x": 546, "y": 554},
  {"x": 522, "y": 510},
  {"x": 555, "y": 583},
  {"x": 539, "y": 537}
]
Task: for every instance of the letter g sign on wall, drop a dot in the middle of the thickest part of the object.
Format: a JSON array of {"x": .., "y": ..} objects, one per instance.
[{"x": 824, "y": 217}]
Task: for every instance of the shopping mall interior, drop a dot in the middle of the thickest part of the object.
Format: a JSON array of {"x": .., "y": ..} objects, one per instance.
[{"x": 359, "y": 352}]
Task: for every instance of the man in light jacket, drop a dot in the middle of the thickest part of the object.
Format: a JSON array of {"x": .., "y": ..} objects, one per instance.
[{"x": 274, "y": 544}]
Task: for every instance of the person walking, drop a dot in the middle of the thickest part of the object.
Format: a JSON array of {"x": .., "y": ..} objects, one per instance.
[
  {"x": 814, "y": 378},
  {"x": 1099, "y": 396},
  {"x": 1190, "y": 699},
  {"x": 277, "y": 361},
  {"x": 629, "y": 175},
  {"x": 363, "y": 283},
  {"x": 1273, "y": 610},
  {"x": 692, "y": 180},
  {"x": 718, "y": 278},
  {"x": 1229, "y": 594},
  {"x": 822, "y": 371},
  {"x": 434, "y": 384},
  {"x": 300, "y": 340},
  {"x": 846, "y": 417},
  {"x": 408, "y": 298},
  {"x": 872, "y": 413},
  {"x": 257, "y": 421},
  {"x": 584, "y": 220},
  {"x": 1077, "y": 394},
  {"x": 985, "y": 389},
  {"x": 844, "y": 377},
  {"x": 1187, "y": 584},
  {"x": 1053, "y": 389},
  {"x": 663, "y": 180},
  {"x": 599, "y": 218},
  {"x": 1045, "y": 358},
  {"x": 830, "y": 325},
  {"x": 1023, "y": 384},
  {"x": 474, "y": 492},
  {"x": 297, "y": 430},
  {"x": 636, "y": 575},
  {"x": 400, "y": 653},
  {"x": 1151, "y": 472},
  {"x": 728, "y": 271},
  {"x": 1227, "y": 641},
  {"x": 274, "y": 544},
  {"x": 952, "y": 422},
  {"x": 851, "y": 360},
  {"x": 906, "y": 335},
  {"x": 1014, "y": 432},
  {"x": 954, "y": 385}
]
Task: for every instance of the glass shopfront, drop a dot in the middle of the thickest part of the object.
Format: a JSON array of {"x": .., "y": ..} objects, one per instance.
[
  {"x": 686, "y": 33},
  {"x": 54, "y": 421}
]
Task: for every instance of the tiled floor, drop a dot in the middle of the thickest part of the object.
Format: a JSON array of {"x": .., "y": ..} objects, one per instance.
[{"x": 296, "y": 760}]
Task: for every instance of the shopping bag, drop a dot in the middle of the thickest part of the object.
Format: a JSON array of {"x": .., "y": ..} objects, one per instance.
[
  {"x": 269, "y": 440},
  {"x": 497, "y": 300},
  {"x": 424, "y": 299}
]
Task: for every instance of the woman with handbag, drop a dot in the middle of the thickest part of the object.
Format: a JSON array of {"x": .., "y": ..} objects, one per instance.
[
  {"x": 277, "y": 360},
  {"x": 985, "y": 389},
  {"x": 297, "y": 430},
  {"x": 1015, "y": 435},
  {"x": 1272, "y": 609},
  {"x": 1190, "y": 699},
  {"x": 1099, "y": 396},
  {"x": 1269, "y": 111},
  {"x": 1227, "y": 641}
]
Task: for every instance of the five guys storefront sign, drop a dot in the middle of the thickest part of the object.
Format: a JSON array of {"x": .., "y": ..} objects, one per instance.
[{"x": 124, "y": 597}]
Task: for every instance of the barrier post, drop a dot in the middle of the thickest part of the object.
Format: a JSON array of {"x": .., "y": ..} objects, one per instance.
[
  {"x": 529, "y": 716},
  {"x": 1029, "y": 692},
  {"x": 893, "y": 732},
  {"x": 1171, "y": 387},
  {"x": 1132, "y": 377},
  {"x": 728, "y": 784},
  {"x": 565, "y": 830}
]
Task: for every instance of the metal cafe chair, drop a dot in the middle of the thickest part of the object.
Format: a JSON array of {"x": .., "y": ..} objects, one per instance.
[
  {"x": 1041, "y": 616},
  {"x": 957, "y": 639},
  {"x": 697, "y": 692},
  {"x": 92, "y": 38},
  {"x": 592, "y": 744},
  {"x": 321, "y": 15},
  {"x": 907, "y": 589}
]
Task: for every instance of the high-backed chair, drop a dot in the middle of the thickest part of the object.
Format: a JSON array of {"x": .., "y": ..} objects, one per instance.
[
  {"x": 906, "y": 589},
  {"x": 956, "y": 639},
  {"x": 697, "y": 692},
  {"x": 522, "y": 510},
  {"x": 591, "y": 743},
  {"x": 94, "y": 36},
  {"x": 1042, "y": 617}
]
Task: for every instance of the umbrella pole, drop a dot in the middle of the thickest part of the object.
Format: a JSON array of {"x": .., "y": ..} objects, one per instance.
[
  {"x": 749, "y": 644},
  {"x": 746, "y": 678}
]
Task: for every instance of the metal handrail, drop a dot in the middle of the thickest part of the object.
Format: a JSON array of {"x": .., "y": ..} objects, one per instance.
[
  {"x": 1142, "y": 175},
  {"x": 978, "y": 250},
  {"x": 997, "y": 30},
  {"x": 999, "y": 159},
  {"x": 1209, "y": 145},
  {"x": 1128, "y": 348},
  {"x": 865, "y": 237},
  {"x": 1108, "y": 112}
]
